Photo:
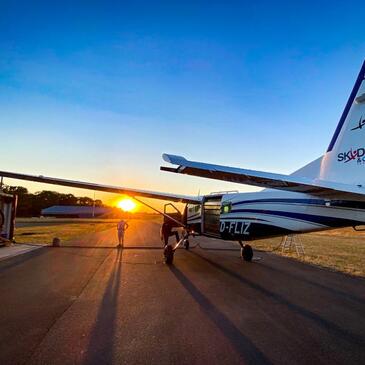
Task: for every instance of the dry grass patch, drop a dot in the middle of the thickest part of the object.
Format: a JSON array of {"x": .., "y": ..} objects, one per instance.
[{"x": 340, "y": 249}]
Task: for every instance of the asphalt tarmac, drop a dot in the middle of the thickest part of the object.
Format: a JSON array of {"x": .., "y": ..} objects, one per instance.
[{"x": 90, "y": 303}]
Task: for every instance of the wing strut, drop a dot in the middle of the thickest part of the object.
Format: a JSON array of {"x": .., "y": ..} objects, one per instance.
[{"x": 158, "y": 211}]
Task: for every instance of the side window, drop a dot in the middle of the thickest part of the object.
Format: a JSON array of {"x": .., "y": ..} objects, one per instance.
[
  {"x": 194, "y": 209},
  {"x": 226, "y": 207}
]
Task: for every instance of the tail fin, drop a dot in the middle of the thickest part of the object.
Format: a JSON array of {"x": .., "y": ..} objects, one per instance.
[{"x": 344, "y": 160}]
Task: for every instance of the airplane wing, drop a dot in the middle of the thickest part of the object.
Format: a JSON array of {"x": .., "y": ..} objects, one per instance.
[
  {"x": 105, "y": 188},
  {"x": 318, "y": 187}
]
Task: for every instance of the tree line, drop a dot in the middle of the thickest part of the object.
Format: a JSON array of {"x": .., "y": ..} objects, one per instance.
[{"x": 31, "y": 205}]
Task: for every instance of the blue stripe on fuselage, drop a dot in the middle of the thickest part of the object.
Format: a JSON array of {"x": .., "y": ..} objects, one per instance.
[
  {"x": 335, "y": 203},
  {"x": 327, "y": 221},
  {"x": 281, "y": 200}
]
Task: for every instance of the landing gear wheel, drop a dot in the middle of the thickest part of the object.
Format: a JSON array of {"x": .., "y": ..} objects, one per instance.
[
  {"x": 187, "y": 244},
  {"x": 169, "y": 254},
  {"x": 247, "y": 253}
]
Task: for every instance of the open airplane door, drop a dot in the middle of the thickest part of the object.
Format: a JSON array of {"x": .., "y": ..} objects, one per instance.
[{"x": 211, "y": 215}]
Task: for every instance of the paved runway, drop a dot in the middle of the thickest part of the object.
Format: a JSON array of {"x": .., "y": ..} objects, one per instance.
[{"x": 99, "y": 305}]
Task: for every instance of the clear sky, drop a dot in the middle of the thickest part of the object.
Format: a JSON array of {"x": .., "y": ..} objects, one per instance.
[{"x": 97, "y": 91}]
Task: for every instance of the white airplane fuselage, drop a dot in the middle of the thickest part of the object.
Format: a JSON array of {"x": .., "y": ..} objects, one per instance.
[{"x": 269, "y": 213}]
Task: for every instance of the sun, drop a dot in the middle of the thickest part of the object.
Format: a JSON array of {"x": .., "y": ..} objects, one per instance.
[{"x": 126, "y": 204}]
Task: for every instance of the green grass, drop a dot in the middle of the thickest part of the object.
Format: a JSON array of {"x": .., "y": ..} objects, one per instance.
[{"x": 44, "y": 234}]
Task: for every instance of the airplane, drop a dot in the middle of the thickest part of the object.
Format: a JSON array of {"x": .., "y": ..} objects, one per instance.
[{"x": 327, "y": 193}]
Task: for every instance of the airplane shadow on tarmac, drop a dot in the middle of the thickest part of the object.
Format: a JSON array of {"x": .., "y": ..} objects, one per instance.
[
  {"x": 243, "y": 345},
  {"x": 285, "y": 273},
  {"x": 289, "y": 273},
  {"x": 100, "y": 348},
  {"x": 327, "y": 325},
  {"x": 113, "y": 247}
]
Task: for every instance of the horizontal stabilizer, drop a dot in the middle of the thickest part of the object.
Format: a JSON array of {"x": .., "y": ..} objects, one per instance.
[
  {"x": 262, "y": 179},
  {"x": 105, "y": 188}
]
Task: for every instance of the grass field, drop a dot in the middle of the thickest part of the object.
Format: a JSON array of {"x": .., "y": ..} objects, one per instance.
[
  {"x": 42, "y": 230},
  {"x": 340, "y": 249},
  {"x": 37, "y": 231}
]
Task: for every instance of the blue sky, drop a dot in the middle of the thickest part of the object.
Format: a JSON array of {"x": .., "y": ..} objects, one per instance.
[{"x": 99, "y": 90}]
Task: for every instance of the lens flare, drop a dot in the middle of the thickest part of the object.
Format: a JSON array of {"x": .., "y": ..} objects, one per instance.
[{"x": 126, "y": 205}]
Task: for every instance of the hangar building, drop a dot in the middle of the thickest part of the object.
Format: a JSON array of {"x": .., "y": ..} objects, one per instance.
[{"x": 76, "y": 211}]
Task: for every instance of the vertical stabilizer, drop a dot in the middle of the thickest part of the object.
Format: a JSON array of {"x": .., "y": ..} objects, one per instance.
[{"x": 344, "y": 160}]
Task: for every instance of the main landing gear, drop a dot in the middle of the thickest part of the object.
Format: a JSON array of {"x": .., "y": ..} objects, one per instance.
[{"x": 246, "y": 251}]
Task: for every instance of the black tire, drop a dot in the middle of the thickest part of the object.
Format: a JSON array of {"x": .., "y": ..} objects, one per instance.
[
  {"x": 187, "y": 244},
  {"x": 169, "y": 255},
  {"x": 247, "y": 253}
]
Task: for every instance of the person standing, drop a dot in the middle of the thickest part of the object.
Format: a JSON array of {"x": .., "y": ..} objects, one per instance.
[{"x": 121, "y": 227}]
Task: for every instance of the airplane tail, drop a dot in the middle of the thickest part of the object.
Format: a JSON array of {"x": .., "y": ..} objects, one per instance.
[{"x": 344, "y": 161}]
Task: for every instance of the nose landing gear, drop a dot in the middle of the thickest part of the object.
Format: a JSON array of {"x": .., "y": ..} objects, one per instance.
[
  {"x": 169, "y": 250},
  {"x": 186, "y": 244},
  {"x": 168, "y": 254},
  {"x": 246, "y": 252}
]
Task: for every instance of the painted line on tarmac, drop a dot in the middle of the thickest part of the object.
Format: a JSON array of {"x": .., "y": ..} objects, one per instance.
[{"x": 8, "y": 252}]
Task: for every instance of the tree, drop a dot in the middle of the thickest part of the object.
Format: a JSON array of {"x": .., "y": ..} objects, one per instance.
[
  {"x": 67, "y": 199},
  {"x": 18, "y": 190},
  {"x": 31, "y": 205},
  {"x": 44, "y": 199},
  {"x": 86, "y": 201},
  {"x": 98, "y": 203}
]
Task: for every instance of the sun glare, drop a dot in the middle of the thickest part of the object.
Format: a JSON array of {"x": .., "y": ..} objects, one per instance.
[{"x": 126, "y": 204}]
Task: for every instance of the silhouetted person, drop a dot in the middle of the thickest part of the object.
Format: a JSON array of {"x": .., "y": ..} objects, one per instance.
[{"x": 121, "y": 227}]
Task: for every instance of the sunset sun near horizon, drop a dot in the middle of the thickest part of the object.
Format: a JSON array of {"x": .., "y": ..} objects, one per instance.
[{"x": 126, "y": 204}]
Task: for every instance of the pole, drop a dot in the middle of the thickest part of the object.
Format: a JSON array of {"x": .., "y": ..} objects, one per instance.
[{"x": 94, "y": 206}]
